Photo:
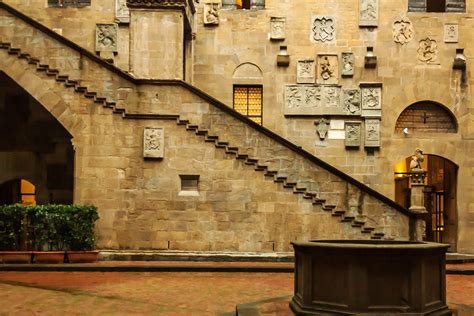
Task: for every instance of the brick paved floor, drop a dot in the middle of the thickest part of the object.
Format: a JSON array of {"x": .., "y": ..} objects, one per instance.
[{"x": 112, "y": 293}]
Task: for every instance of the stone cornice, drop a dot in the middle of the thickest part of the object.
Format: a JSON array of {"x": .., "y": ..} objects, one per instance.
[{"x": 162, "y": 4}]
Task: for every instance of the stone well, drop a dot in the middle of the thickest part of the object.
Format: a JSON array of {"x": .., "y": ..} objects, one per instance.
[{"x": 369, "y": 277}]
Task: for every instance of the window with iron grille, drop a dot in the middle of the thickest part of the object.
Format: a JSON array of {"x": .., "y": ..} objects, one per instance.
[
  {"x": 437, "y": 5},
  {"x": 243, "y": 4},
  {"x": 248, "y": 101},
  {"x": 69, "y": 3}
]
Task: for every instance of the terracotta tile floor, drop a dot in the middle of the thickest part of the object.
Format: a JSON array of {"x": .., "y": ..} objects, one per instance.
[{"x": 160, "y": 293}]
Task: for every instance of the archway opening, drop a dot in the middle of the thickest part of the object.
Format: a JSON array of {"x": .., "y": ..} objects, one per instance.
[
  {"x": 440, "y": 196},
  {"x": 36, "y": 153}
]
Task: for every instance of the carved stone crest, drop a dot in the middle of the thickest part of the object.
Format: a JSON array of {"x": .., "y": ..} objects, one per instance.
[
  {"x": 368, "y": 12},
  {"x": 122, "y": 13},
  {"x": 371, "y": 99},
  {"x": 331, "y": 97},
  {"x": 428, "y": 51},
  {"x": 402, "y": 31},
  {"x": 322, "y": 128},
  {"x": 305, "y": 71},
  {"x": 211, "y": 12},
  {"x": 106, "y": 38},
  {"x": 353, "y": 132},
  {"x": 372, "y": 133},
  {"x": 153, "y": 142},
  {"x": 323, "y": 29},
  {"x": 277, "y": 28},
  {"x": 347, "y": 69},
  {"x": 451, "y": 33},
  {"x": 352, "y": 102},
  {"x": 327, "y": 69}
]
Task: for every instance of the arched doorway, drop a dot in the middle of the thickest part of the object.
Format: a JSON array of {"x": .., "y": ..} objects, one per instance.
[
  {"x": 440, "y": 196},
  {"x": 33, "y": 146}
]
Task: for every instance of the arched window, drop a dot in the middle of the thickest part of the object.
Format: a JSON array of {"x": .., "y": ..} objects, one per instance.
[
  {"x": 426, "y": 117},
  {"x": 248, "y": 91}
]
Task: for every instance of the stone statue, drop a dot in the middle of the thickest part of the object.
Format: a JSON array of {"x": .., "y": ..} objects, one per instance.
[{"x": 416, "y": 161}]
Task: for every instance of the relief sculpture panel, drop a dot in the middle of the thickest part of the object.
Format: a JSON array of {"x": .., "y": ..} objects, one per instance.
[
  {"x": 153, "y": 142},
  {"x": 402, "y": 31},
  {"x": 353, "y": 132},
  {"x": 428, "y": 51},
  {"x": 348, "y": 62},
  {"x": 313, "y": 100},
  {"x": 211, "y": 12},
  {"x": 277, "y": 28},
  {"x": 368, "y": 12},
  {"x": 372, "y": 133},
  {"x": 371, "y": 100},
  {"x": 323, "y": 29},
  {"x": 106, "y": 38},
  {"x": 327, "y": 69},
  {"x": 305, "y": 71},
  {"x": 352, "y": 102}
]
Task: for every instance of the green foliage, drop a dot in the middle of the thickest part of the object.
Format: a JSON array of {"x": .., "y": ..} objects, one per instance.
[
  {"x": 50, "y": 227},
  {"x": 12, "y": 219}
]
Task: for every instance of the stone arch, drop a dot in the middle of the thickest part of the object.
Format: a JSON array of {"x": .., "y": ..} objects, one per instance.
[
  {"x": 426, "y": 117},
  {"x": 247, "y": 70}
]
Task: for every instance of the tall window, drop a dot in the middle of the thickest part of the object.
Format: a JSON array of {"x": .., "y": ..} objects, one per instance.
[
  {"x": 437, "y": 5},
  {"x": 248, "y": 101}
]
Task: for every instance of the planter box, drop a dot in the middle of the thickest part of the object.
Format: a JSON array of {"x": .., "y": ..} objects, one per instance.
[
  {"x": 15, "y": 256},
  {"x": 48, "y": 256},
  {"x": 82, "y": 256}
]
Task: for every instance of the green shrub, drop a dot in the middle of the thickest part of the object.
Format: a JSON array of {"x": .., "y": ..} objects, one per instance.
[
  {"x": 11, "y": 226},
  {"x": 50, "y": 227}
]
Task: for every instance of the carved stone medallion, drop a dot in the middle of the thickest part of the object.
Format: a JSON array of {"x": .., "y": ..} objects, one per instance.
[
  {"x": 211, "y": 12},
  {"x": 371, "y": 100},
  {"x": 277, "y": 28},
  {"x": 402, "y": 31},
  {"x": 428, "y": 51},
  {"x": 327, "y": 69},
  {"x": 352, "y": 102},
  {"x": 451, "y": 33},
  {"x": 323, "y": 29},
  {"x": 305, "y": 71},
  {"x": 372, "y": 133},
  {"x": 106, "y": 38},
  {"x": 153, "y": 142},
  {"x": 347, "y": 69},
  {"x": 353, "y": 132},
  {"x": 368, "y": 12},
  {"x": 122, "y": 14},
  {"x": 322, "y": 128}
]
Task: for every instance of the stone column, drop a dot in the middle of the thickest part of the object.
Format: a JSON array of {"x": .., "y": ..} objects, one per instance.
[
  {"x": 417, "y": 203},
  {"x": 156, "y": 39}
]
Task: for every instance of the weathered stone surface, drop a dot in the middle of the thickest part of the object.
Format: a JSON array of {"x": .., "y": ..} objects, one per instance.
[
  {"x": 305, "y": 71},
  {"x": 368, "y": 12},
  {"x": 153, "y": 142},
  {"x": 106, "y": 38},
  {"x": 277, "y": 28},
  {"x": 323, "y": 29}
]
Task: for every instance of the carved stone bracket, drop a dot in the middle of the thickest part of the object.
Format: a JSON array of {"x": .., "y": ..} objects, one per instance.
[
  {"x": 322, "y": 128},
  {"x": 153, "y": 142}
]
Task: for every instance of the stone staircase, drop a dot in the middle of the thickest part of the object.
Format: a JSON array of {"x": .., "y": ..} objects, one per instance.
[{"x": 365, "y": 224}]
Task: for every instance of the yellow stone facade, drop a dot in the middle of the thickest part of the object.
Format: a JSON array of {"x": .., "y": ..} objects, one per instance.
[{"x": 238, "y": 208}]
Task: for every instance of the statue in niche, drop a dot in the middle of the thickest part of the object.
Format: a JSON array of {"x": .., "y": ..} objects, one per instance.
[
  {"x": 325, "y": 68},
  {"x": 211, "y": 14},
  {"x": 324, "y": 29},
  {"x": 294, "y": 97},
  {"x": 417, "y": 161},
  {"x": 352, "y": 102},
  {"x": 428, "y": 50},
  {"x": 402, "y": 31},
  {"x": 371, "y": 98},
  {"x": 323, "y": 128}
]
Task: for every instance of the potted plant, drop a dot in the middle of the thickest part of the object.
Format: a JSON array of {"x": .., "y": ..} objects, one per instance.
[
  {"x": 79, "y": 236},
  {"x": 13, "y": 234}
]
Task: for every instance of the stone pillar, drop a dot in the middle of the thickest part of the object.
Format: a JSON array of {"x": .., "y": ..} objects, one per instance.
[
  {"x": 157, "y": 39},
  {"x": 417, "y": 203}
]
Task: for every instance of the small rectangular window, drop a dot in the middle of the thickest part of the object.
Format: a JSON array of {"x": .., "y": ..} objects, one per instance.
[
  {"x": 243, "y": 4},
  {"x": 248, "y": 101},
  {"x": 69, "y": 3},
  {"x": 437, "y": 5},
  {"x": 189, "y": 182}
]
